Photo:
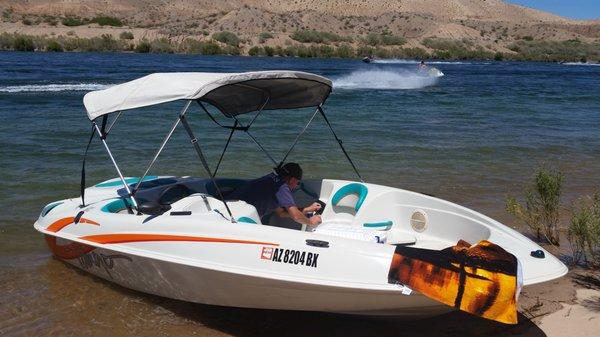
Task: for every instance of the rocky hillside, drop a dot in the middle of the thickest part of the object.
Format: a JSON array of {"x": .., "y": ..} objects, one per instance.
[{"x": 490, "y": 26}]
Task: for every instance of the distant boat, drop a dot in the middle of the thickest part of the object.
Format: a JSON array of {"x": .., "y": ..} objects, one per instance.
[
  {"x": 430, "y": 72},
  {"x": 367, "y": 59}
]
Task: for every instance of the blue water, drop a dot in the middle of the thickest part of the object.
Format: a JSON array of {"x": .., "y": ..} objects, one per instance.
[{"x": 474, "y": 137}]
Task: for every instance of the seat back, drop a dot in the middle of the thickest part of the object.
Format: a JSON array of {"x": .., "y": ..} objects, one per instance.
[{"x": 359, "y": 190}]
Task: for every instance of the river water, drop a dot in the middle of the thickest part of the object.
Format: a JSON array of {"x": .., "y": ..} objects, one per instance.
[{"x": 474, "y": 136}]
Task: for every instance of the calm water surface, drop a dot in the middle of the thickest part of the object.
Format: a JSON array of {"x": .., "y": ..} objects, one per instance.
[{"x": 473, "y": 137}]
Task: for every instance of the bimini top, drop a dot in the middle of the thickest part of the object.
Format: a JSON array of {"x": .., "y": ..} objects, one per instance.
[{"x": 231, "y": 93}]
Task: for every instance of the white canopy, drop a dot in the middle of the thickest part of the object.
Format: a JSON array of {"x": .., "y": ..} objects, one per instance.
[{"x": 231, "y": 93}]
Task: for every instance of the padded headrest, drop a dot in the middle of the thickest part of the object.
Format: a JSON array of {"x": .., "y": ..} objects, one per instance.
[{"x": 359, "y": 190}]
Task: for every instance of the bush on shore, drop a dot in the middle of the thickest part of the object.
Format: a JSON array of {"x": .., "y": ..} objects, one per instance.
[
  {"x": 442, "y": 48},
  {"x": 542, "y": 203},
  {"x": 23, "y": 43},
  {"x": 104, "y": 20},
  {"x": 313, "y": 36},
  {"x": 227, "y": 37},
  {"x": 70, "y": 21},
  {"x": 456, "y": 49},
  {"x": 584, "y": 231},
  {"x": 264, "y": 36},
  {"x": 386, "y": 39},
  {"x": 126, "y": 36},
  {"x": 555, "y": 51},
  {"x": 54, "y": 46}
]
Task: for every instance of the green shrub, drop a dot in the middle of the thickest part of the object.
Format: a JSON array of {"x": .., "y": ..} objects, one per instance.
[
  {"x": 498, "y": 56},
  {"x": 392, "y": 40},
  {"x": 362, "y": 51},
  {"x": 264, "y": 36},
  {"x": 313, "y": 36},
  {"x": 584, "y": 231},
  {"x": 126, "y": 36},
  {"x": 227, "y": 38},
  {"x": 107, "y": 21},
  {"x": 256, "y": 51},
  {"x": 72, "y": 21},
  {"x": 569, "y": 50},
  {"x": 23, "y": 43},
  {"x": 269, "y": 51},
  {"x": 542, "y": 203},
  {"x": 230, "y": 50},
  {"x": 210, "y": 48},
  {"x": 345, "y": 51},
  {"x": 143, "y": 47},
  {"x": 27, "y": 22},
  {"x": 387, "y": 39},
  {"x": 104, "y": 43},
  {"x": 414, "y": 53},
  {"x": 456, "y": 49},
  {"x": 162, "y": 45},
  {"x": 54, "y": 46},
  {"x": 50, "y": 20},
  {"x": 7, "y": 41}
]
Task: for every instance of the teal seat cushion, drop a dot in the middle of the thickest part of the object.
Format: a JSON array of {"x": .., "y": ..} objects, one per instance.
[
  {"x": 359, "y": 190},
  {"x": 116, "y": 205},
  {"x": 246, "y": 219}
]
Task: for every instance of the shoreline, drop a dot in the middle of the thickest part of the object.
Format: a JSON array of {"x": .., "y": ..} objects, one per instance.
[{"x": 437, "y": 49}]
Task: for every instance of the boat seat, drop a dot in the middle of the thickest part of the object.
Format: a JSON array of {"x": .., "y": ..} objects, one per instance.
[
  {"x": 246, "y": 219},
  {"x": 226, "y": 185},
  {"x": 357, "y": 189},
  {"x": 117, "y": 205}
]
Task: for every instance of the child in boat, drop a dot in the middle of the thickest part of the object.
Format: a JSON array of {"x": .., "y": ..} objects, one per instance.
[{"x": 273, "y": 193}]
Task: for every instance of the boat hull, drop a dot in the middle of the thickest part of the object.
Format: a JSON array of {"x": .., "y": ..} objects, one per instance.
[{"x": 214, "y": 287}]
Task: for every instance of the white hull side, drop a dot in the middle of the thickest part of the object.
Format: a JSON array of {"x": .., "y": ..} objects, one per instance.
[{"x": 201, "y": 285}]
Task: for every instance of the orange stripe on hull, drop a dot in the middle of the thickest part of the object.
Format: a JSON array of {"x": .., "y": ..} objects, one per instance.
[
  {"x": 64, "y": 222},
  {"x": 125, "y": 238}
]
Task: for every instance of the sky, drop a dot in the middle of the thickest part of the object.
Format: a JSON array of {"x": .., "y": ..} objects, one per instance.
[{"x": 575, "y": 9}]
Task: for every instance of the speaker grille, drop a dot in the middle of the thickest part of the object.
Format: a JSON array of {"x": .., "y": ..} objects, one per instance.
[{"x": 418, "y": 221}]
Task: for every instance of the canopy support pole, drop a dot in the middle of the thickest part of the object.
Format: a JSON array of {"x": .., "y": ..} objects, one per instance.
[
  {"x": 245, "y": 128},
  {"x": 225, "y": 148},
  {"x": 162, "y": 146},
  {"x": 113, "y": 122},
  {"x": 194, "y": 142},
  {"x": 260, "y": 110},
  {"x": 339, "y": 142},
  {"x": 298, "y": 138},
  {"x": 103, "y": 139}
]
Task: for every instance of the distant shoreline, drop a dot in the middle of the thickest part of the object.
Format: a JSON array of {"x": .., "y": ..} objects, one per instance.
[{"x": 572, "y": 51}]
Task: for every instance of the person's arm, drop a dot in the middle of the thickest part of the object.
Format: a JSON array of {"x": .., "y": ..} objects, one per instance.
[
  {"x": 315, "y": 206},
  {"x": 288, "y": 205},
  {"x": 295, "y": 214}
]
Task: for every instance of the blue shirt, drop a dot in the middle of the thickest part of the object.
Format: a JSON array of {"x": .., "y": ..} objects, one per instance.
[{"x": 265, "y": 194}]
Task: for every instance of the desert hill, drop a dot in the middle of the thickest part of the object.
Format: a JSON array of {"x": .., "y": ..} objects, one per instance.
[{"x": 490, "y": 25}]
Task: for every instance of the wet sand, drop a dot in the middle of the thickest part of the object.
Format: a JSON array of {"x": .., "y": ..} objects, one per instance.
[{"x": 43, "y": 296}]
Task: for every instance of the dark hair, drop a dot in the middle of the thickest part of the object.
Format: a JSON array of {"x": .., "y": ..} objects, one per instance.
[{"x": 292, "y": 170}]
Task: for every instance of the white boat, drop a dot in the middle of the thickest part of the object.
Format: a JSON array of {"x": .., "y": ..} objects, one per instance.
[{"x": 178, "y": 237}]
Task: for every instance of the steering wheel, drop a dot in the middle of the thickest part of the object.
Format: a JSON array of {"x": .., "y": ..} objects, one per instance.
[
  {"x": 320, "y": 210},
  {"x": 173, "y": 194}
]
